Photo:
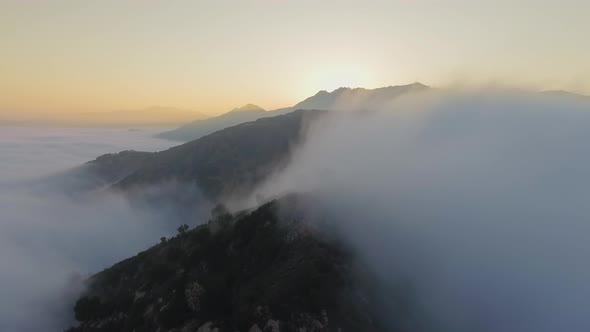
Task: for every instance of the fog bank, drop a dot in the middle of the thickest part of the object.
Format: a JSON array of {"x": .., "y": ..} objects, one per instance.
[
  {"x": 50, "y": 239},
  {"x": 474, "y": 203}
]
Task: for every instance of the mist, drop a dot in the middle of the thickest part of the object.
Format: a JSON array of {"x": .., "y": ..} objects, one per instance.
[
  {"x": 52, "y": 238},
  {"x": 472, "y": 204}
]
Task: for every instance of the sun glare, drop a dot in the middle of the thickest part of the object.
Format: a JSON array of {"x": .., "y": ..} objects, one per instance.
[{"x": 334, "y": 76}]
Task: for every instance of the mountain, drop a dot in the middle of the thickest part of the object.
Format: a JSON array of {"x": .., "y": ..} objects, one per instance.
[
  {"x": 247, "y": 108},
  {"x": 339, "y": 99},
  {"x": 269, "y": 269},
  {"x": 358, "y": 98},
  {"x": 237, "y": 150},
  {"x": 272, "y": 268},
  {"x": 229, "y": 161},
  {"x": 199, "y": 128}
]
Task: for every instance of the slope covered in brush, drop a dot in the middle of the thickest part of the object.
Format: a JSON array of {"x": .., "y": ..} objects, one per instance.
[
  {"x": 269, "y": 269},
  {"x": 231, "y": 160}
]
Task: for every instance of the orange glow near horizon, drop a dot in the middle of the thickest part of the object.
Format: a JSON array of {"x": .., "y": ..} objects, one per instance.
[{"x": 67, "y": 57}]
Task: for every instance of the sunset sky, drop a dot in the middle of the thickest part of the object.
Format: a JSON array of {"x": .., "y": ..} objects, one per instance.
[{"x": 211, "y": 56}]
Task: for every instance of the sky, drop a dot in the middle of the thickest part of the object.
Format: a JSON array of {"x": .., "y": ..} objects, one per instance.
[{"x": 211, "y": 56}]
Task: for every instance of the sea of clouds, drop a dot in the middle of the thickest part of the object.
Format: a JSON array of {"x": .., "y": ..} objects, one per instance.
[{"x": 51, "y": 238}]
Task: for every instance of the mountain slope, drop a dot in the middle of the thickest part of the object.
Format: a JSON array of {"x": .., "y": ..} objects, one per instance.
[
  {"x": 231, "y": 160},
  {"x": 263, "y": 270},
  {"x": 200, "y": 128}
]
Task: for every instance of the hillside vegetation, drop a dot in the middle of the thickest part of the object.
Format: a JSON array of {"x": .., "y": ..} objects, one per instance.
[
  {"x": 230, "y": 161},
  {"x": 264, "y": 270}
]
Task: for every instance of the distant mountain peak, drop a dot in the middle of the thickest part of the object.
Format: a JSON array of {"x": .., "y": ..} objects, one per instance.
[
  {"x": 415, "y": 85},
  {"x": 199, "y": 128},
  {"x": 248, "y": 108},
  {"x": 344, "y": 98},
  {"x": 359, "y": 98},
  {"x": 342, "y": 88},
  {"x": 418, "y": 85},
  {"x": 563, "y": 93}
]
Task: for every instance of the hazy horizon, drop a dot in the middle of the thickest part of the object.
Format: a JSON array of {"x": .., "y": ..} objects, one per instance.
[
  {"x": 209, "y": 57},
  {"x": 163, "y": 117}
]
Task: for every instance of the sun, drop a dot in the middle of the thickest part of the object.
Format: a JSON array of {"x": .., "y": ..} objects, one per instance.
[{"x": 334, "y": 76}]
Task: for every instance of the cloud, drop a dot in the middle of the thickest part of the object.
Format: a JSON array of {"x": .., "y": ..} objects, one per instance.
[
  {"x": 33, "y": 151},
  {"x": 49, "y": 238},
  {"x": 475, "y": 203}
]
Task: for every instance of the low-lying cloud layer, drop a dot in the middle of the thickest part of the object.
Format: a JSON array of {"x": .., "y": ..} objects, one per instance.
[
  {"x": 476, "y": 204},
  {"x": 50, "y": 238}
]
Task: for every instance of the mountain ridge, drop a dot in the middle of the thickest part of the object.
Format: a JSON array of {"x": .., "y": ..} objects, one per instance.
[
  {"x": 342, "y": 98},
  {"x": 267, "y": 269},
  {"x": 247, "y": 108},
  {"x": 231, "y": 160}
]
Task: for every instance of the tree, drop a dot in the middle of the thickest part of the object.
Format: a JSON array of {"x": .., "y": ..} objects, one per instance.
[
  {"x": 182, "y": 229},
  {"x": 87, "y": 308}
]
